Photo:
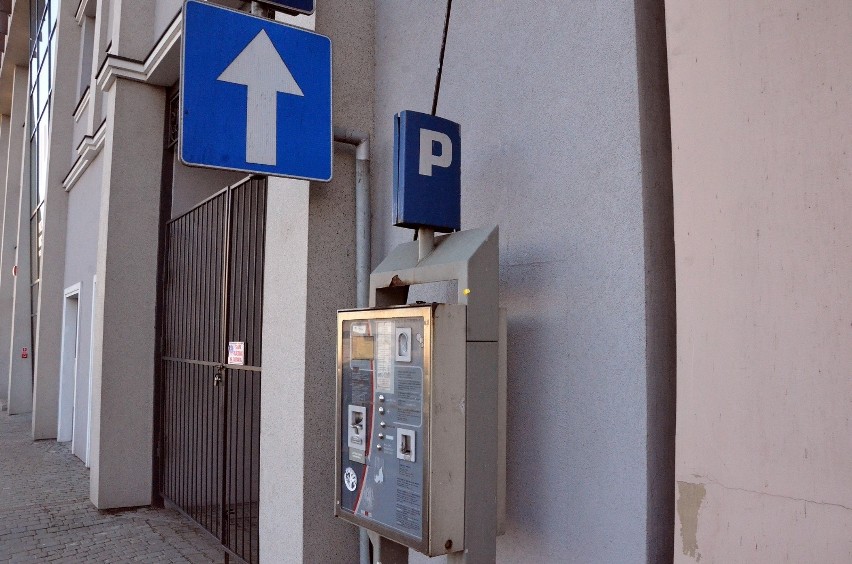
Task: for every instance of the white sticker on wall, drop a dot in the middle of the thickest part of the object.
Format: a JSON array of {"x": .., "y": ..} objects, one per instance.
[{"x": 350, "y": 480}]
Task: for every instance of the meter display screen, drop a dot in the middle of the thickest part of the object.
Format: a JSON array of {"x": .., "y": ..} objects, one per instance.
[{"x": 382, "y": 422}]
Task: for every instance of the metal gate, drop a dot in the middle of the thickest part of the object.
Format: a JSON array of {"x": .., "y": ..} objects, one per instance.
[{"x": 209, "y": 410}]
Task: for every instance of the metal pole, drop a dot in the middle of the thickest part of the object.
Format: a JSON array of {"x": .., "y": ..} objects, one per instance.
[
  {"x": 425, "y": 242},
  {"x": 386, "y": 551},
  {"x": 362, "y": 231}
]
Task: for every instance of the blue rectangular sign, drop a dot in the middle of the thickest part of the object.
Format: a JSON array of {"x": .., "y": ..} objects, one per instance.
[
  {"x": 255, "y": 95},
  {"x": 427, "y": 172}
]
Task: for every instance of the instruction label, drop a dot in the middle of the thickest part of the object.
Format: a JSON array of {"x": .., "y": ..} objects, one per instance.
[
  {"x": 385, "y": 355},
  {"x": 409, "y": 499},
  {"x": 409, "y": 395}
]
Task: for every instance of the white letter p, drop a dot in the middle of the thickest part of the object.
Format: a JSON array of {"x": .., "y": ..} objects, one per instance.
[{"x": 427, "y": 158}]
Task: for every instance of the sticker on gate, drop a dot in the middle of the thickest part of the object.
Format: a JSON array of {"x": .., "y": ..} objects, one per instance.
[{"x": 237, "y": 353}]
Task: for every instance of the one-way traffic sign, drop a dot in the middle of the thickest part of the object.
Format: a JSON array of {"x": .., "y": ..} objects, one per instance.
[{"x": 255, "y": 95}]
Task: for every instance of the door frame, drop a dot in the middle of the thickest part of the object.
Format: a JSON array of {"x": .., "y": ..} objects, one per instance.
[
  {"x": 89, "y": 375},
  {"x": 67, "y": 372}
]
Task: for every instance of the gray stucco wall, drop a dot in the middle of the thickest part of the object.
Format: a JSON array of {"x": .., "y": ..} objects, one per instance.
[
  {"x": 549, "y": 105},
  {"x": 309, "y": 274},
  {"x": 193, "y": 185},
  {"x": 165, "y": 12},
  {"x": 81, "y": 252}
]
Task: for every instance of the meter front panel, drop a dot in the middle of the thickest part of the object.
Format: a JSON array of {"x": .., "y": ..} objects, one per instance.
[{"x": 383, "y": 364}]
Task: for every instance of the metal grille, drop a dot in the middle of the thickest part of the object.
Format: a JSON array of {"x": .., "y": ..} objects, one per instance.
[
  {"x": 209, "y": 448},
  {"x": 173, "y": 126}
]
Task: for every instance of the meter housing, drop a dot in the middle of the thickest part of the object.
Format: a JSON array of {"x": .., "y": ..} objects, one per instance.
[{"x": 400, "y": 456}]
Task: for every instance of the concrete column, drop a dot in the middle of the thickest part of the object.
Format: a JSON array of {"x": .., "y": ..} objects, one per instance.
[
  {"x": 48, "y": 336},
  {"x": 16, "y": 246},
  {"x": 5, "y": 280},
  {"x": 760, "y": 106},
  {"x": 133, "y": 28},
  {"x": 125, "y": 301},
  {"x": 103, "y": 34},
  {"x": 309, "y": 274},
  {"x": 283, "y": 418}
]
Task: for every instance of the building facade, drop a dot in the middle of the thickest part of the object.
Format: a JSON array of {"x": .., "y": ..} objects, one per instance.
[{"x": 665, "y": 376}]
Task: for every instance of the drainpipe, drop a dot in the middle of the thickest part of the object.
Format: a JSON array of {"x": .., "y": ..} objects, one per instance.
[{"x": 361, "y": 141}]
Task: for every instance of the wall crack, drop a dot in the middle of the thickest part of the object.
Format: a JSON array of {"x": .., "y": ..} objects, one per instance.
[{"x": 790, "y": 498}]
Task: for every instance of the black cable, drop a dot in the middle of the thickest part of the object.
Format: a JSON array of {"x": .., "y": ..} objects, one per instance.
[
  {"x": 441, "y": 59},
  {"x": 440, "y": 67}
]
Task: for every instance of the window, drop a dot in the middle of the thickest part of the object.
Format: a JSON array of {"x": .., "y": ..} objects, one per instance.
[
  {"x": 87, "y": 53},
  {"x": 43, "y": 16}
]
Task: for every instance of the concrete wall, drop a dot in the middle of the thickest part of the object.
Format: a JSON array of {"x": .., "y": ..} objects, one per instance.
[
  {"x": 164, "y": 13},
  {"x": 48, "y": 334},
  {"x": 565, "y": 146},
  {"x": 7, "y": 251},
  {"x": 125, "y": 303},
  {"x": 17, "y": 235},
  {"x": 760, "y": 106},
  {"x": 80, "y": 264},
  {"x": 193, "y": 185},
  {"x": 310, "y": 274},
  {"x": 124, "y": 339}
]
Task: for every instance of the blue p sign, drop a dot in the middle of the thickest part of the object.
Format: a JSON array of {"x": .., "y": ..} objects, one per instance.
[{"x": 427, "y": 172}]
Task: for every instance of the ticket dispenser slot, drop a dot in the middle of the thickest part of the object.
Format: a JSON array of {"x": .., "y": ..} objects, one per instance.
[
  {"x": 401, "y": 424},
  {"x": 405, "y": 449},
  {"x": 357, "y": 427}
]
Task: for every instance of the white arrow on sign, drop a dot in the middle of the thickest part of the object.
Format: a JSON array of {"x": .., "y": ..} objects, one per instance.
[{"x": 260, "y": 68}]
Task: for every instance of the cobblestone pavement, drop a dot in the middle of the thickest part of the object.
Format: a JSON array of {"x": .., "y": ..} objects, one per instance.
[{"x": 46, "y": 515}]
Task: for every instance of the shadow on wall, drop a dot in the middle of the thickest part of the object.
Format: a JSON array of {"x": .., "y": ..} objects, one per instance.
[{"x": 658, "y": 211}]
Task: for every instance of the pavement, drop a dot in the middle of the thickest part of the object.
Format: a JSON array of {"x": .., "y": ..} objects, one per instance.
[{"x": 46, "y": 515}]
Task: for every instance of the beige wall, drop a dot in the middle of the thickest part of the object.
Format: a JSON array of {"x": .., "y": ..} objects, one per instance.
[{"x": 761, "y": 112}]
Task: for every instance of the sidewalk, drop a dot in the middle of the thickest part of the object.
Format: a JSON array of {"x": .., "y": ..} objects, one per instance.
[{"x": 46, "y": 515}]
